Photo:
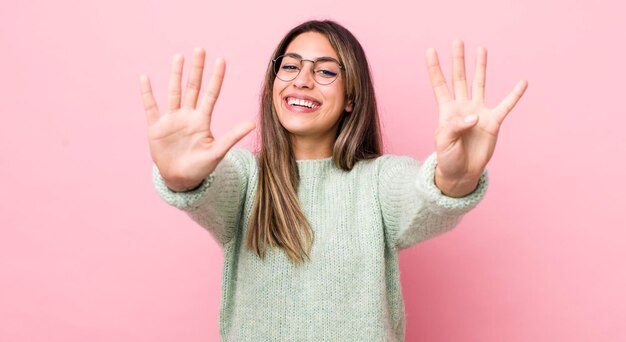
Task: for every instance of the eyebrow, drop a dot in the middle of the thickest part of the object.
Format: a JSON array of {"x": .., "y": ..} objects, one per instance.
[{"x": 323, "y": 58}]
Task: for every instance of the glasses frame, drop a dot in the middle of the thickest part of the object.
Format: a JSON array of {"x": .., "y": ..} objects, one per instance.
[{"x": 302, "y": 60}]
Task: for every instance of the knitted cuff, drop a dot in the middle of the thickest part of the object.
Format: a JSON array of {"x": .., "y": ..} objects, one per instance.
[
  {"x": 185, "y": 200},
  {"x": 449, "y": 205}
]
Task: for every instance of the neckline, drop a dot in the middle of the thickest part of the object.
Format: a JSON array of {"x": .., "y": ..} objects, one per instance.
[
  {"x": 314, "y": 167},
  {"x": 313, "y": 160}
]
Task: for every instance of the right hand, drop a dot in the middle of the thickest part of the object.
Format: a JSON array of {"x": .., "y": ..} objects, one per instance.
[{"x": 181, "y": 143}]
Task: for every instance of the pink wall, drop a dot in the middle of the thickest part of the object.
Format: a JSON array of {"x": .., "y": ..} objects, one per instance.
[{"x": 89, "y": 253}]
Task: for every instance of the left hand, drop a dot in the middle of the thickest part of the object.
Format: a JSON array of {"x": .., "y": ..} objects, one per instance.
[{"x": 467, "y": 132}]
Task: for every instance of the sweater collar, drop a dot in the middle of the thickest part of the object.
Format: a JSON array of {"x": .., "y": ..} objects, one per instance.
[{"x": 314, "y": 167}]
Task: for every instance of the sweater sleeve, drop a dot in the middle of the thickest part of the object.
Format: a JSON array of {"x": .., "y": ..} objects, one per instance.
[
  {"x": 217, "y": 204},
  {"x": 413, "y": 208}
]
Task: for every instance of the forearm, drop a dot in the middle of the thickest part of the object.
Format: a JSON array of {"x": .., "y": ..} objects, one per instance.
[
  {"x": 413, "y": 206},
  {"x": 216, "y": 203}
]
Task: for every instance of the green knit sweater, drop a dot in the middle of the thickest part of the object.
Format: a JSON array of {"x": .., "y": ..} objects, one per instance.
[{"x": 350, "y": 289}]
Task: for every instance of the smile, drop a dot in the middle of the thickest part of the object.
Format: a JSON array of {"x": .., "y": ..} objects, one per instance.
[{"x": 292, "y": 101}]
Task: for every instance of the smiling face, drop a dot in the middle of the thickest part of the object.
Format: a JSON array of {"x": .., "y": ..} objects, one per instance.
[{"x": 305, "y": 108}]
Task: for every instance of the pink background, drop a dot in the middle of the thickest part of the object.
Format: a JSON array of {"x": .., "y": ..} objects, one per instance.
[{"x": 88, "y": 252}]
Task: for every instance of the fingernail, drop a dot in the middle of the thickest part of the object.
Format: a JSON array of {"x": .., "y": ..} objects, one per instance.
[{"x": 470, "y": 118}]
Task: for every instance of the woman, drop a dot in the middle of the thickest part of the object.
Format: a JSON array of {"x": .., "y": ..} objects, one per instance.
[{"x": 312, "y": 226}]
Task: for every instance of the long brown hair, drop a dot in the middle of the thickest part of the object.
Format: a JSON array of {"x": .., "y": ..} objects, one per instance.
[{"x": 277, "y": 218}]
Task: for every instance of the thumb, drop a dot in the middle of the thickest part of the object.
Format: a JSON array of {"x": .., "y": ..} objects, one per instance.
[
  {"x": 453, "y": 130},
  {"x": 465, "y": 123},
  {"x": 230, "y": 138}
]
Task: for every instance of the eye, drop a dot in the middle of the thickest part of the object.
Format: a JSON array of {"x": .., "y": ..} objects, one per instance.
[
  {"x": 289, "y": 67},
  {"x": 326, "y": 73}
]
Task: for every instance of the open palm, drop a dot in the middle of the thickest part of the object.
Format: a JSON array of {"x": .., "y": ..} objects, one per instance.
[
  {"x": 181, "y": 143},
  {"x": 466, "y": 135}
]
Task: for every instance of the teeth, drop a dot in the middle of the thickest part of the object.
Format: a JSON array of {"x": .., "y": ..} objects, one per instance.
[{"x": 301, "y": 102}]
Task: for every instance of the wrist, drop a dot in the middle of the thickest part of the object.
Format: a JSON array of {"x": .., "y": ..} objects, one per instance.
[
  {"x": 455, "y": 187},
  {"x": 183, "y": 187}
]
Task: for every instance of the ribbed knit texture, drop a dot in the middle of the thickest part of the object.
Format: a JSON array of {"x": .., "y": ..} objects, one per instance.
[{"x": 350, "y": 289}]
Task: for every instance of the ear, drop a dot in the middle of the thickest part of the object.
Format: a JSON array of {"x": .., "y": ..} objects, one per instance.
[{"x": 348, "y": 107}]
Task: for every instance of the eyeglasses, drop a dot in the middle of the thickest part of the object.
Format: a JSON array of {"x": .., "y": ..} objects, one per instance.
[{"x": 325, "y": 69}]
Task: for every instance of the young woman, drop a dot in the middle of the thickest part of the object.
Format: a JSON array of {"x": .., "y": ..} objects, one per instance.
[{"x": 311, "y": 226}]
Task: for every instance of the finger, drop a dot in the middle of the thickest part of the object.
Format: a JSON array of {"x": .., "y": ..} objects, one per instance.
[
  {"x": 437, "y": 80},
  {"x": 149, "y": 104},
  {"x": 480, "y": 75},
  {"x": 194, "y": 82},
  {"x": 174, "y": 88},
  {"x": 230, "y": 138},
  {"x": 452, "y": 130},
  {"x": 458, "y": 70},
  {"x": 213, "y": 89},
  {"x": 509, "y": 101}
]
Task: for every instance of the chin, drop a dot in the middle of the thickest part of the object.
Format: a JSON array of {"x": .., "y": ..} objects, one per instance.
[{"x": 296, "y": 129}]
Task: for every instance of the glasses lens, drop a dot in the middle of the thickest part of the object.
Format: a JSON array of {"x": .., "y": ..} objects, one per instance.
[
  {"x": 326, "y": 71},
  {"x": 287, "y": 67}
]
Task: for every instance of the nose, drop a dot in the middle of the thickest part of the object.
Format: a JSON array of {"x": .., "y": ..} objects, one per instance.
[{"x": 305, "y": 77}]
